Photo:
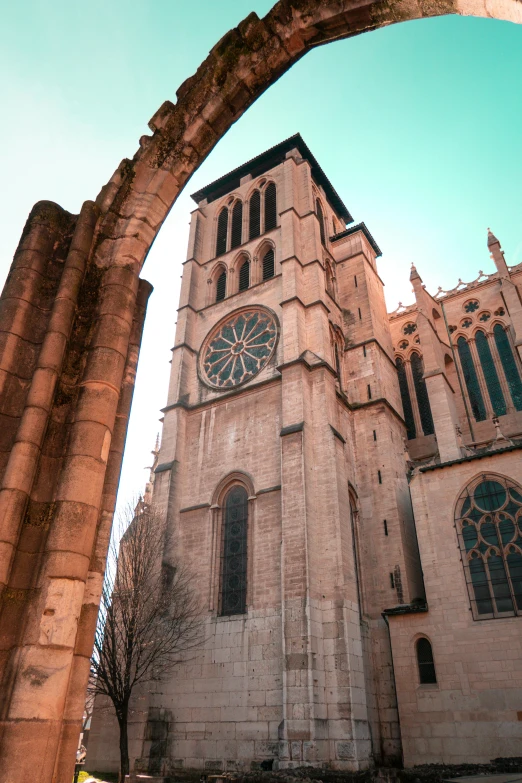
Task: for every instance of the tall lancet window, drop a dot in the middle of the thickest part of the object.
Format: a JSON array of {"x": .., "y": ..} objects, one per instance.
[
  {"x": 470, "y": 377},
  {"x": 496, "y": 396},
  {"x": 254, "y": 216},
  {"x": 270, "y": 207},
  {"x": 236, "y": 234},
  {"x": 509, "y": 365},
  {"x": 423, "y": 400},
  {"x": 320, "y": 217},
  {"x": 406, "y": 400},
  {"x": 222, "y": 231},
  {"x": 234, "y": 552}
]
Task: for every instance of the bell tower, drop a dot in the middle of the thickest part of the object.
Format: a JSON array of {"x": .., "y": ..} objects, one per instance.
[{"x": 281, "y": 477}]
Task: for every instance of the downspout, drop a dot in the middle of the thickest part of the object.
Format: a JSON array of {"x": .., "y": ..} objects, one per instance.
[{"x": 458, "y": 373}]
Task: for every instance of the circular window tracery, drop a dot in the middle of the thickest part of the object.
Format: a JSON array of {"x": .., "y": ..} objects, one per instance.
[
  {"x": 239, "y": 347},
  {"x": 410, "y": 328},
  {"x": 471, "y": 306}
]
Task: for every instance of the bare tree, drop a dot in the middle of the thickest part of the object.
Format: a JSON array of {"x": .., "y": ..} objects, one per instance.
[{"x": 149, "y": 617}]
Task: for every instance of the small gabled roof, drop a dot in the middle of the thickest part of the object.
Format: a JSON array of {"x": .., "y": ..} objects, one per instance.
[
  {"x": 266, "y": 161},
  {"x": 353, "y": 230}
]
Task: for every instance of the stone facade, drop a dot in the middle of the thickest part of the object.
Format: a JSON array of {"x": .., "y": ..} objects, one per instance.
[{"x": 311, "y": 431}]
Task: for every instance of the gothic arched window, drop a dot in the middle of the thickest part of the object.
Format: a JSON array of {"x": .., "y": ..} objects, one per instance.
[
  {"x": 329, "y": 279},
  {"x": 244, "y": 275},
  {"x": 496, "y": 396},
  {"x": 254, "y": 216},
  {"x": 489, "y": 525},
  {"x": 221, "y": 286},
  {"x": 427, "y": 675},
  {"x": 270, "y": 207},
  {"x": 222, "y": 231},
  {"x": 406, "y": 400},
  {"x": 509, "y": 365},
  {"x": 236, "y": 234},
  {"x": 423, "y": 401},
  {"x": 470, "y": 377},
  {"x": 320, "y": 217},
  {"x": 268, "y": 264},
  {"x": 234, "y": 552}
]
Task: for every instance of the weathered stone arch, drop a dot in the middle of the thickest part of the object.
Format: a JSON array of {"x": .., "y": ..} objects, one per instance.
[{"x": 71, "y": 315}]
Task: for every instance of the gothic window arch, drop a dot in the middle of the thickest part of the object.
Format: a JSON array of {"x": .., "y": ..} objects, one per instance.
[
  {"x": 222, "y": 232},
  {"x": 406, "y": 399},
  {"x": 221, "y": 284},
  {"x": 487, "y": 363},
  {"x": 509, "y": 365},
  {"x": 421, "y": 392},
  {"x": 254, "y": 215},
  {"x": 270, "y": 197},
  {"x": 244, "y": 275},
  {"x": 425, "y": 662},
  {"x": 236, "y": 233},
  {"x": 320, "y": 217},
  {"x": 234, "y": 552},
  {"x": 471, "y": 379},
  {"x": 488, "y": 518}
]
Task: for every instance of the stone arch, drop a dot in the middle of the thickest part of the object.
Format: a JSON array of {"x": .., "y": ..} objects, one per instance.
[{"x": 89, "y": 349}]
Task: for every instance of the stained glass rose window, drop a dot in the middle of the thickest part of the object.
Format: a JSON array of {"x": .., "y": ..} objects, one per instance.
[{"x": 239, "y": 347}]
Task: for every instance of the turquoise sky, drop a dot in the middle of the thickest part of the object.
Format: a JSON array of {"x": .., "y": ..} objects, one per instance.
[{"x": 418, "y": 126}]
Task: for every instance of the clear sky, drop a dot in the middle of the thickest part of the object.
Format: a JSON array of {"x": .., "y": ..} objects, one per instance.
[{"x": 418, "y": 126}]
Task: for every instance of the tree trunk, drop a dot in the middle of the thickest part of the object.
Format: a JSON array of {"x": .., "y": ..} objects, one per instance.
[{"x": 124, "y": 746}]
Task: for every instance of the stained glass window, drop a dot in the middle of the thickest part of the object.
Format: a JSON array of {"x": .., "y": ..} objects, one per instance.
[
  {"x": 320, "y": 217},
  {"x": 406, "y": 401},
  {"x": 244, "y": 275},
  {"x": 221, "y": 286},
  {"x": 410, "y": 328},
  {"x": 234, "y": 552},
  {"x": 470, "y": 377},
  {"x": 238, "y": 348},
  {"x": 268, "y": 264},
  {"x": 222, "y": 230},
  {"x": 254, "y": 222},
  {"x": 270, "y": 207},
  {"x": 510, "y": 366},
  {"x": 427, "y": 675},
  {"x": 423, "y": 401},
  {"x": 490, "y": 374},
  {"x": 489, "y": 524},
  {"x": 470, "y": 307},
  {"x": 236, "y": 234}
]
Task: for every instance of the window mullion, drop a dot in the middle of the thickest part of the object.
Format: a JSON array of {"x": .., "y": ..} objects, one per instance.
[{"x": 480, "y": 375}]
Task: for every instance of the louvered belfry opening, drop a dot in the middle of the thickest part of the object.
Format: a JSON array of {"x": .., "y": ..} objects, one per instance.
[
  {"x": 221, "y": 286},
  {"x": 222, "y": 230},
  {"x": 270, "y": 206},
  {"x": 244, "y": 275},
  {"x": 320, "y": 217},
  {"x": 236, "y": 236},
  {"x": 254, "y": 216},
  {"x": 268, "y": 264},
  {"x": 427, "y": 675},
  {"x": 406, "y": 399}
]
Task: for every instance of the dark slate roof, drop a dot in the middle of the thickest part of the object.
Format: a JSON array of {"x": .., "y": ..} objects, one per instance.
[
  {"x": 266, "y": 161},
  {"x": 353, "y": 230}
]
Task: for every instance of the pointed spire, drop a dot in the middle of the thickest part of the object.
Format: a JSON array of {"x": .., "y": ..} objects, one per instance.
[
  {"x": 414, "y": 275},
  {"x": 492, "y": 240}
]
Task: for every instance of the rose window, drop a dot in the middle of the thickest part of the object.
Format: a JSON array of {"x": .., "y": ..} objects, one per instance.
[
  {"x": 466, "y": 323},
  {"x": 470, "y": 307},
  {"x": 484, "y": 317},
  {"x": 410, "y": 328},
  {"x": 239, "y": 348}
]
